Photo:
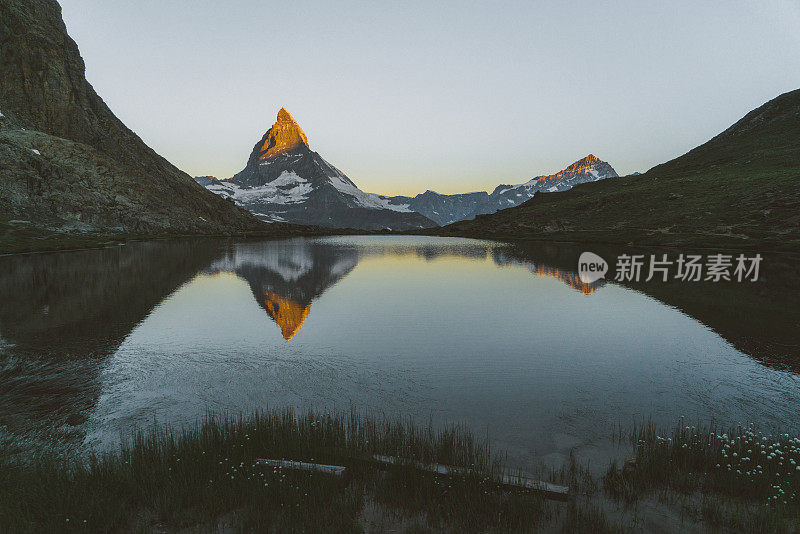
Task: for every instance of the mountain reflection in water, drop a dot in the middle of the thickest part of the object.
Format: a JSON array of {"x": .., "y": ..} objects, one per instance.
[
  {"x": 286, "y": 276},
  {"x": 65, "y": 316}
]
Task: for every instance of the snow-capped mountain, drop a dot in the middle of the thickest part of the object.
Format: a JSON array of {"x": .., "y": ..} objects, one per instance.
[
  {"x": 285, "y": 180},
  {"x": 445, "y": 209}
]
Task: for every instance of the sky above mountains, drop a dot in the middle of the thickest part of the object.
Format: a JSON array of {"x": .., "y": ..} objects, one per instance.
[{"x": 450, "y": 96}]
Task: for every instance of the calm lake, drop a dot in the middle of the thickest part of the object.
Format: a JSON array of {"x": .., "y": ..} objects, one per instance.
[{"x": 504, "y": 338}]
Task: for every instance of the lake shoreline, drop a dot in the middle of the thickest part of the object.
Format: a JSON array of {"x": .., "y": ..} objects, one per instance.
[
  {"x": 638, "y": 240},
  {"x": 38, "y": 242},
  {"x": 35, "y": 241}
]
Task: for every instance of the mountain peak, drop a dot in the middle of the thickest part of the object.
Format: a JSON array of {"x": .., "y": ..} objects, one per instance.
[
  {"x": 282, "y": 137},
  {"x": 589, "y": 166},
  {"x": 285, "y": 116},
  {"x": 580, "y": 166}
]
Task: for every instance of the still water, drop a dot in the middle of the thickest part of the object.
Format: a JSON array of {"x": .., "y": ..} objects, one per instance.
[{"x": 502, "y": 338}]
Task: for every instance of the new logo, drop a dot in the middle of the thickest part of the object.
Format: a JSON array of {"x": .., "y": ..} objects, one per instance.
[{"x": 591, "y": 267}]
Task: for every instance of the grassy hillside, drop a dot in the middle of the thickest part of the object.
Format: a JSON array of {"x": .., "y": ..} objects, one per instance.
[{"x": 741, "y": 189}]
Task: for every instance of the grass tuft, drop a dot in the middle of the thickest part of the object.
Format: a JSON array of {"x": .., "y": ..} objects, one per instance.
[{"x": 746, "y": 479}]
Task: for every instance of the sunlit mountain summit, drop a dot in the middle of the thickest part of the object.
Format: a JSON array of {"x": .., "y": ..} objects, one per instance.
[
  {"x": 284, "y": 136},
  {"x": 284, "y": 180}
]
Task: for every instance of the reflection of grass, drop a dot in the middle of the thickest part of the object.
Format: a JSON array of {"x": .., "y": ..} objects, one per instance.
[
  {"x": 759, "y": 318},
  {"x": 206, "y": 479},
  {"x": 745, "y": 480}
]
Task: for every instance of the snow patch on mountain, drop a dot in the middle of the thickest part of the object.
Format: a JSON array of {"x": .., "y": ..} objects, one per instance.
[
  {"x": 364, "y": 199},
  {"x": 288, "y": 188}
]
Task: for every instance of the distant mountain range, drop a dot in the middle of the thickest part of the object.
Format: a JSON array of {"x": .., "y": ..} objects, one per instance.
[
  {"x": 445, "y": 209},
  {"x": 285, "y": 181},
  {"x": 740, "y": 189},
  {"x": 69, "y": 166}
]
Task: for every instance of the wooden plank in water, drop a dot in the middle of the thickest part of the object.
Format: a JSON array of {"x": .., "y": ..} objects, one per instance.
[
  {"x": 334, "y": 470},
  {"x": 552, "y": 491}
]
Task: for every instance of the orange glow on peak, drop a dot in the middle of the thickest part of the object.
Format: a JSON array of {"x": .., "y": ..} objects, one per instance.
[{"x": 283, "y": 136}]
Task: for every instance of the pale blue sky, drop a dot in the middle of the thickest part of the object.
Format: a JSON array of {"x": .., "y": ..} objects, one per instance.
[{"x": 450, "y": 96}]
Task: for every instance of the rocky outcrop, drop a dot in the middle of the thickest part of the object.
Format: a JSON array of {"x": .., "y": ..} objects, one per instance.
[{"x": 66, "y": 161}]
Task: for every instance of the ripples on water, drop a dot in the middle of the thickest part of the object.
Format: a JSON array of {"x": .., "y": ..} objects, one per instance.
[{"x": 504, "y": 338}]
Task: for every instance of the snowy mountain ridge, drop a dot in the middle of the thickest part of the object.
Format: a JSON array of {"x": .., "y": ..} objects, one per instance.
[
  {"x": 446, "y": 209},
  {"x": 285, "y": 181}
]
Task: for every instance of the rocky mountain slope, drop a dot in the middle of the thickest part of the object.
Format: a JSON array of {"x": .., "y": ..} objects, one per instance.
[
  {"x": 284, "y": 180},
  {"x": 446, "y": 209},
  {"x": 740, "y": 189},
  {"x": 66, "y": 162}
]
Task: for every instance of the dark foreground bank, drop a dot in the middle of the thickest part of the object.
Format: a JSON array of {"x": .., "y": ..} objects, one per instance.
[{"x": 207, "y": 479}]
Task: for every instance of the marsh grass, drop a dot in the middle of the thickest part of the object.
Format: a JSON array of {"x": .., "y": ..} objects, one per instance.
[
  {"x": 586, "y": 516},
  {"x": 206, "y": 479},
  {"x": 196, "y": 478},
  {"x": 746, "y": 480},
  {"x": 469, "y": 502}
]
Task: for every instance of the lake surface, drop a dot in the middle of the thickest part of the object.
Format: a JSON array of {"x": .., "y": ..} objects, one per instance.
[{"x": 503, "y": 338}]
